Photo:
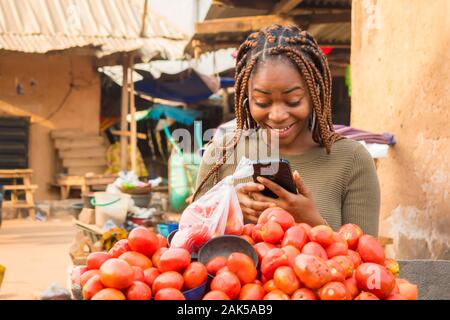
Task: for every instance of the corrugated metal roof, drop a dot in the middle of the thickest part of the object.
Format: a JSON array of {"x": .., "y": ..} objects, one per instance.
[{"x": 40, "y": 26}]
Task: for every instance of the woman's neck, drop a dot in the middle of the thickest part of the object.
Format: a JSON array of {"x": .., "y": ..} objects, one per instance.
[{"x": 303, "y": 143}]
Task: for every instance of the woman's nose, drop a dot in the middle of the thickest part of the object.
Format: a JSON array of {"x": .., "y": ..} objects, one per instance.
[{"x": 278, "y": 114}]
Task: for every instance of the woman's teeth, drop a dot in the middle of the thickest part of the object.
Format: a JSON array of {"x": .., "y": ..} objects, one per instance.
[{"x": 282, "y": 129}]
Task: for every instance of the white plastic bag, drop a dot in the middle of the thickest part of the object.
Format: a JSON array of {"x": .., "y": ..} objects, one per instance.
[{"x": 216, "y": 213}]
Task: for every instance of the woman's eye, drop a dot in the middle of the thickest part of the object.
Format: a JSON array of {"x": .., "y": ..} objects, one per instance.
[
  {"x": 261, "y": 104},
  {"x": 294, "y": 103}
]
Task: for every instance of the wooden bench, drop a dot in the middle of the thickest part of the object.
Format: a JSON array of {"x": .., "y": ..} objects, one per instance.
[
  {"x": 84, "y": 183},
  {"x": 17, "y": 189}
]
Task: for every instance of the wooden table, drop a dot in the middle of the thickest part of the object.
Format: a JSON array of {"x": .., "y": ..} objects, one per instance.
[{"x": 16, "y": 189}]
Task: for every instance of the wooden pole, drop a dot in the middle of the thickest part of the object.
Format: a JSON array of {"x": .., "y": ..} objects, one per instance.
[
  {"x": 123, "y": 115},
  {"x": 133, "y": 130},
  {"x": 142, "y": 34}
]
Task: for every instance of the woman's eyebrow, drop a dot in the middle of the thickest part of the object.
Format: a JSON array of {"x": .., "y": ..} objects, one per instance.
[
  {"x": 292, "y": 89},
  {"x": 262, "y": 91}
]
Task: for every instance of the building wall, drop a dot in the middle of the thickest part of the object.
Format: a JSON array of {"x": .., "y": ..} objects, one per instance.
[
  {"x": 57, "y": 91},
  {"x": 400, "y": 84}
]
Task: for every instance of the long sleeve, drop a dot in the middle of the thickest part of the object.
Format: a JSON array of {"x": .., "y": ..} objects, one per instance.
[{"x": 361, "y": 203}]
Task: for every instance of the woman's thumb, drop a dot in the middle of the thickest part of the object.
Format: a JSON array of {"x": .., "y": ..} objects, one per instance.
[{"x": 301, "y": 188}]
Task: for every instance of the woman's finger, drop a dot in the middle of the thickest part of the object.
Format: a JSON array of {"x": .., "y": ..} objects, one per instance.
[
  {"x": 250, "y": 218},
  {"x": 255, "y": 205},
  {"x": 278, "y": 190},
  {"x": 262, "y": 198},
  {"x": 301, "y": 188},
  {"x": 249, "y": 187},
  {"x": 249, "y": 212}
]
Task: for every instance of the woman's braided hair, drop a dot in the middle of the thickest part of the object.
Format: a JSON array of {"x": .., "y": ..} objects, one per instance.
[{"x": 303, "y": 51}]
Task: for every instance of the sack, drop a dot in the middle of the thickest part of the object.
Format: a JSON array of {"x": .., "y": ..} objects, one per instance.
[{"x": 216, "y": 213}]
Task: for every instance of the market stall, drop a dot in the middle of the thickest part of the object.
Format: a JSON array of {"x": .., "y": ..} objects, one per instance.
[{"x": 212, "y": 255}]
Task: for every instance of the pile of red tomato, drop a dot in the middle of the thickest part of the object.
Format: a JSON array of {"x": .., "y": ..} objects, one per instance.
[
  {"x": 139, "y": 268},
  {"x": 300, "y": 262},
  {"x": 295, "y": 261}
]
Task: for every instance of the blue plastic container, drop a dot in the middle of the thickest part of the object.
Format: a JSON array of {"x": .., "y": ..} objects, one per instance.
[
  {"x": 172, "y": 226},
  {"x": 165, "y": 229},
  {"x": 196, "y": 293},
  {"x": 162, "y": 229}
]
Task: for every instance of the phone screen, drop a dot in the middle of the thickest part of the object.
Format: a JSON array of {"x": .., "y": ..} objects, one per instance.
[{"x": 278, "y": 171}]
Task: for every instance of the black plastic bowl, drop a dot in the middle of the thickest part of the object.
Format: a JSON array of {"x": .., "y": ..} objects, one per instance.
[{"x": 224, "y": 246}]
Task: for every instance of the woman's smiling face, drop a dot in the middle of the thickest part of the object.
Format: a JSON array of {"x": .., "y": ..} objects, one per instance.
[{"x": 279, "y": 102}]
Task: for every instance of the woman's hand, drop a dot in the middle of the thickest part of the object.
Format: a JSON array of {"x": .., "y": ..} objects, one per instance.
[
  {"x": 301, "y": 205},
  {"x": 251, "y": 209}
]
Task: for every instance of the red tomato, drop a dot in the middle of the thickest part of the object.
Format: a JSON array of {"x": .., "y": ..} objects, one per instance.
[
  {"x": 304, "y": 294},
  {"x": 286, "y": 280},
  {"x": 272, "y": 260},
  {"x": 248, "y": 228},
  {"x": 352, "y": 287},
  {"x": 396, "y": 296},
  {"x": 216, "y": 295},
  {"x": 150, "y": 275},
  {"x": 119, "y": 248},
  {"x": 169, "y": 279},
  {"x": 139, "y": 291},
  {"x": 143, "y": 241},
  {"x": 370, "y": 250},
  {"x": 95, "y": 260},
  {"x": 337, "y": 271},
  {"x": 312, "y": 271},
  {"x": 248, "y": 239},
  {"x": 306, "y": 227},
  {"x": 162, "y": 241},
  {"x": 355, "y": 257},
  {"x": 242, "y": 266},
  {"x": 157, "y": 255},
  {"x": 138, "y": 274},
  {"x": 262, "y": 248},
  {"x": 334, "y": 291},
  {"x": 351, "y": 233},
  {"x": 223, "y": 269},
  {"x": 252, "y": 291},
  {"x": 295, "y": 236},
  {"x": 137, "y": 259},
  {"x": 376, "y": 279},
  {"x": 117, "y": 274},
  {"x": 195, "y": 275},
  {"x": 92, "y": 286},
  {"x": 169, "y": 294},
  {"x": 215, "y": 264},
  {"x": 346, "y": 263},
  {"x": 278, "y": 215},
  {"x": 366, "y": 296},
  {"x": 227, "y": 282},
  {"x": 272, "y": 232},
  {"x": 256, "y": 233},
  {"x": 87, "y": 275},
  {"x": 109, "y": 294},
  {"x": 276, "y": 295},
  {"x": 315, "y": 249},
  {"x": 174, "y": 259},
  {"x": 337, "y": 249},
  {"x": 322, "y": 234},
  {"x": 270, "y": 286},
  {"x": 408, "y": 290},
  {"x": 291, "y": 252}
]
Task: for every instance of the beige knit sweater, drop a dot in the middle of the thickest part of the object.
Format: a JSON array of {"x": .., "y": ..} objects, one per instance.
[{"x": 344, "y": 182}]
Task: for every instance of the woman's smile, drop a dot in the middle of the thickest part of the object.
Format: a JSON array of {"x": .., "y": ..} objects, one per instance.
[{"x": 282, "y": 131}]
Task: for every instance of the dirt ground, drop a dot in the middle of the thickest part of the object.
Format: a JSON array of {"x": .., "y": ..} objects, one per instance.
[{"x": 35, "y": 254}]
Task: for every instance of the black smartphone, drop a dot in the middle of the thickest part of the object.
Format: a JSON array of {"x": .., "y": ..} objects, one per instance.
[{"x": 278, "y": 171}]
